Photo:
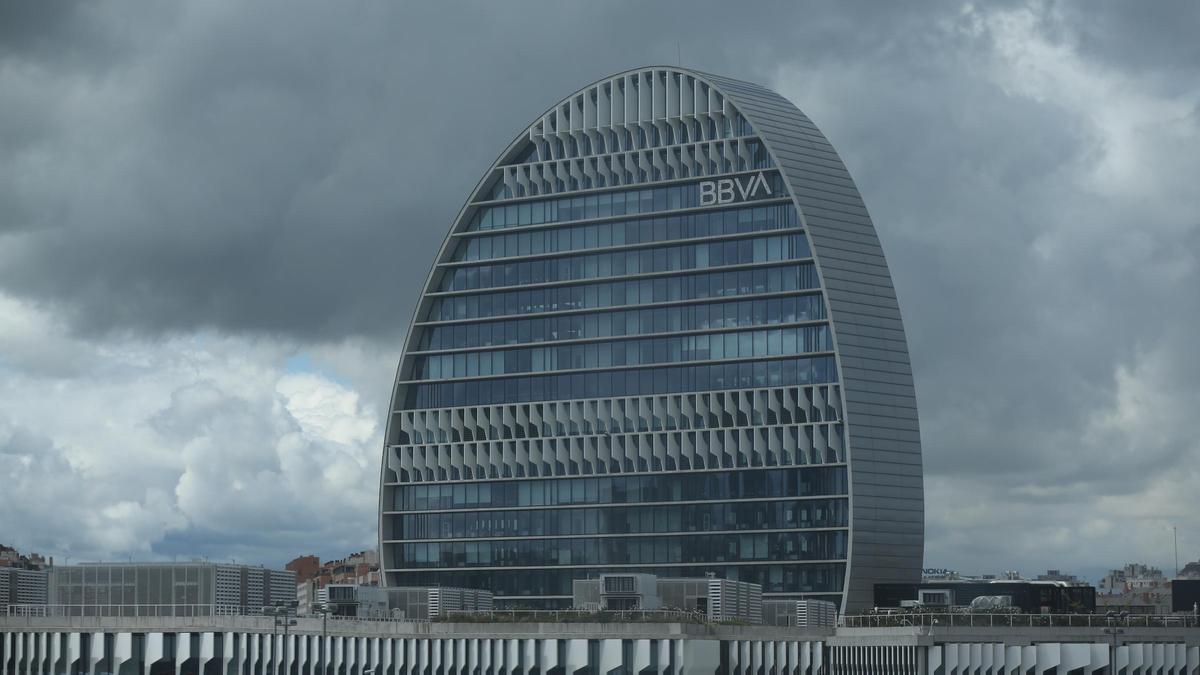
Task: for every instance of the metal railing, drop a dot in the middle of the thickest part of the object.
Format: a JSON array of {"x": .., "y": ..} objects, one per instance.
[
  {"x": 130, "y": 611},
  {"x": 579, "y": 616},
  {"x": 480, "y": 616},
  {"x": 164, "y": 611},
  {"x": 997, "y": 619}
]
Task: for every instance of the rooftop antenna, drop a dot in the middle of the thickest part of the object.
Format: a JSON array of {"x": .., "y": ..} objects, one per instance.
[{"x": 678, "y": 55}]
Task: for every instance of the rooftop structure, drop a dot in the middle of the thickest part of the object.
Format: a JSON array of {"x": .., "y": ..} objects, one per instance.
[
  {"x": 400, "y": 603},
  {"x": 803, "y": 614},
  {"x": 715, "y": 599}
]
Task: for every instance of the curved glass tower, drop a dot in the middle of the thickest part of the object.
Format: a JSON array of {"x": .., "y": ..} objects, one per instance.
[{"x": 660, "y": 336}]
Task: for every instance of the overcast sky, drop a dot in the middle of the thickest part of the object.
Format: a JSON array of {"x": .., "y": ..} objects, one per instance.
[{"x": 215, "y": 218}]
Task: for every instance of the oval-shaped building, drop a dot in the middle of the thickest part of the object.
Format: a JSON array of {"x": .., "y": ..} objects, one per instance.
[{"x": 661, "y": 337}]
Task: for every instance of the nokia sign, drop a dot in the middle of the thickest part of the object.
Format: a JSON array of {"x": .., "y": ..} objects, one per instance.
[{"x": 734, "y": 190}]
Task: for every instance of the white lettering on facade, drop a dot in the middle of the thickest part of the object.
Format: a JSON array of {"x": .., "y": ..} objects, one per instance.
[{"x": 729, "y": 190}]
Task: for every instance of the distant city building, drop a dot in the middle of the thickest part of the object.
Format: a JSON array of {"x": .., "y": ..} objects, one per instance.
[
  {"x": 11, "y": 557},
  {"x": 1156, "y": 601},
  {"x": 23, "y": 579},
  {"x": 166, "y": 589},
  {"x": 1135, "y": 588},
  {"x": 360, "y": 568},
  {"x": 356, "y": 569},
  {"x": 19, "y": 586},
  {"x": 305, "y": 567},
  {"x": 1133, "y": 575},
  {"x": 1056, "y": 575},
  {"x": 1190, "y": 571}
]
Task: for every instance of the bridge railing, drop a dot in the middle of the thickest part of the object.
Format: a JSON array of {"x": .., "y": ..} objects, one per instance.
[
  {"x": 171, "y": 611},
  {"x": 1000, "y": 619},
  {"x": 132, "y": 611},
  {"x": 577, "y": 616}
]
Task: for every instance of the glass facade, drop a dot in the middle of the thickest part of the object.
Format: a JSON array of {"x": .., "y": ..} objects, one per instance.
[
  {"x": 705, "y": 517},
  {"x": 627, "y": 262},
  {"x": 706, "y": 486},
  {"x": 623, "y": 360},
  {"x": 675, "y": 349},
  {"x": 617, "y": 323},
  {"x": 665, "y": 227},
  {"x": 746, "y": 280}
]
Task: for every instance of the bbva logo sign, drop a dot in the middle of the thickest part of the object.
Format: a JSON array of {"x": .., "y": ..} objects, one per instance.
[{"x": 730, "y": 190}]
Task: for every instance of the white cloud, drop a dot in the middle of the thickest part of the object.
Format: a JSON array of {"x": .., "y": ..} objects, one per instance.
[
  {"x": 147, "y": 448},
  {"x": 325, "y": 409}
]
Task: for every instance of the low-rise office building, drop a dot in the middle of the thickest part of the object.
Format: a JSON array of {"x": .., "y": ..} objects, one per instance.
[
  {"x": 20, "y": 586},
  {"x": 1030, "y": 597},
  {"x": 1185, "y": 595},
  {"x": 166, "y": 589}
]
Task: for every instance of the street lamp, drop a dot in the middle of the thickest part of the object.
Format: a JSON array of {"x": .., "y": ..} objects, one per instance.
[
  {"x": 323, "y": 608},
  {"x": 1111, "y": 619},
  {"x": 282, "y": 613}
]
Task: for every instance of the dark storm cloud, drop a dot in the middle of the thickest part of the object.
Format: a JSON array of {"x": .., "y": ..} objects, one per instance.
[
  {"x": 45, "y": 27},
  {"x": 1155, "y": 39},
  {"x": 1015, "y": 351},
  {"x": 1037, "y": 208},
  {"x": 289, "y": 169}
]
